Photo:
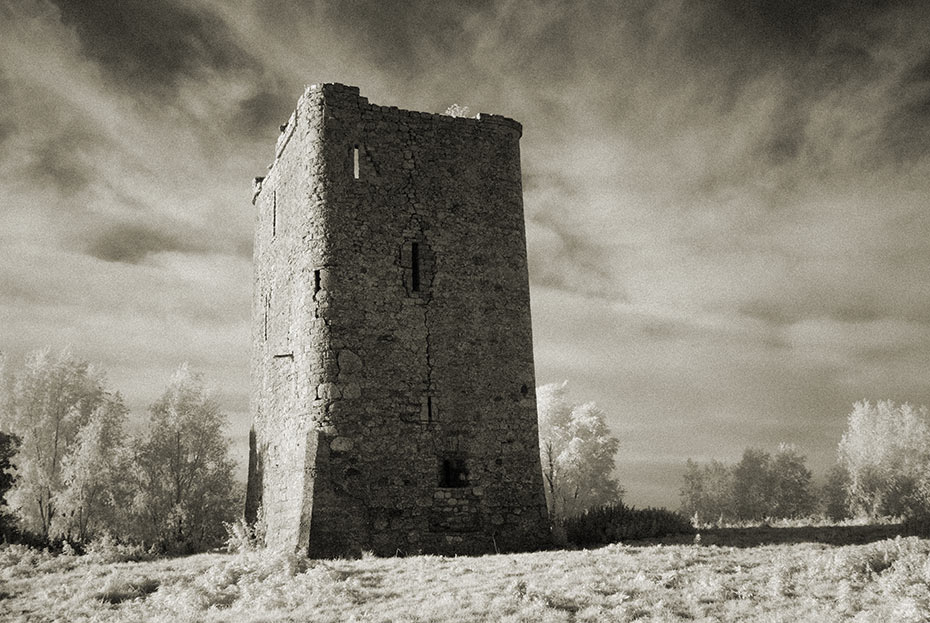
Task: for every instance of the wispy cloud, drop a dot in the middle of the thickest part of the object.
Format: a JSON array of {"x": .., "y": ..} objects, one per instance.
[
  {"x": 726, "y": 201},
  {"x": 132, "y": 243}
]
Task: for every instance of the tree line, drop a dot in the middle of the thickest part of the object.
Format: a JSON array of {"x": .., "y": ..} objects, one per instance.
[
  {"x": 70, "y": 470},
  {"x": 760, "y": 485},
  {"x": 882, "y": 470}
]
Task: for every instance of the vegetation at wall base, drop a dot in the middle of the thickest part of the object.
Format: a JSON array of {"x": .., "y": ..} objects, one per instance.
[{"x": 613, "y": 523}]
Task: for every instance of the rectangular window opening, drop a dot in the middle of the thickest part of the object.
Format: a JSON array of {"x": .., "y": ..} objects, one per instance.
[
  {"x": 316, "y": 281},
  {"x": 415, "y": 267},
  {"x": 453, "y": 474},
  {"x": 355, "y": 170}
]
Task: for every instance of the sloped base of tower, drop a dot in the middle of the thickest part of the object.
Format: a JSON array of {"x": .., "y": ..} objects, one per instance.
[{"x": 444, "y": 544}]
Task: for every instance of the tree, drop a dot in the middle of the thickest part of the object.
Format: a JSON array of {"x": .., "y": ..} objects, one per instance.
[
  {"x": 707, "y": 491},
  {"x": 790, "y": 484},
  {"x": 9, "y": 444},
  {"x": 759, "y": 486},
  {"x": 833, "y": 493},
  {"x": 184, "y": 476},
  {"x": 886, "y": 451},
  {"x": 46, "y": 406},
  {"x": 752, "y": 485},
  {"x": 96, "y": 493},
  {"x": 577, "y": 453}
]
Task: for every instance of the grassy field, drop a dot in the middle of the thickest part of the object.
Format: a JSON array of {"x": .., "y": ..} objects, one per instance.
[{"x": 726, "y": 576}]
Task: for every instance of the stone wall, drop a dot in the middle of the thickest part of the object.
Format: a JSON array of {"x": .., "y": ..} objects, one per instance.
[{"x": 392, "y": 370}]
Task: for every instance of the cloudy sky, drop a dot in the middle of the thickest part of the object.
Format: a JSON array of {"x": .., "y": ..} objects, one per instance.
[{"x": 726, "y": 201}]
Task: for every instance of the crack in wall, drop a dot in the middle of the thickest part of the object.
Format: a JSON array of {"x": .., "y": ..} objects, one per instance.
[
  {"x": 423, "y": 291},
  {"x": 430, "y": 390}
]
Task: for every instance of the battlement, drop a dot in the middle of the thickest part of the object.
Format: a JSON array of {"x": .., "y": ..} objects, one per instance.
[
  {"x": 344, "y": 97},
  {"x": 345, "y": 91}
]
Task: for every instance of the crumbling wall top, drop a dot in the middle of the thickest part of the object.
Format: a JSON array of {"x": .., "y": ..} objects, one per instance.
[{"x": 338, "y": 91}]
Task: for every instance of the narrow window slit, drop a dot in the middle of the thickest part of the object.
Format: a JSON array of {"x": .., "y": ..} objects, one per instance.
[
  {"x": 274, "y": 213},
  {"x": 355, "y": 169},
  {"x": 415, "y": 267},
  {"x": 267, "y": 298},
  {"x": 316, "y": 281},
  {"x": 429, "y": 409}
]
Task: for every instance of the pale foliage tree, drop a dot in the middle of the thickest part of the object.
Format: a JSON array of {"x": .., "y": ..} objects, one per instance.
[
  {"x": 184, "y": 476},
  {"x": 46, "y": 406},
  {"x": 886, "y": 452},
  {"x": 577, "y": 452},
  {"x": 96, "y": 493}
]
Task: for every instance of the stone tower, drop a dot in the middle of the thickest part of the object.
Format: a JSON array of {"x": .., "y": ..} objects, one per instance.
[{"x": 393, "y": 390}]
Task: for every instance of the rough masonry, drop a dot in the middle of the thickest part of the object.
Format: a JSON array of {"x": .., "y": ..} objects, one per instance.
[{"x": 393, "y": 390}]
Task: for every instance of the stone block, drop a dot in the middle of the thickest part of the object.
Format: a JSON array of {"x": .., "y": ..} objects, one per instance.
[{"x": 341, "y": 444}]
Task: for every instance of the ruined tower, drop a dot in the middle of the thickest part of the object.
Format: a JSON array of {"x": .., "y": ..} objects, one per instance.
[{"x": 393, "y": 390}]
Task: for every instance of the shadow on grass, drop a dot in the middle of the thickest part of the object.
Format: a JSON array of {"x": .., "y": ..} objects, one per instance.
[
  {"x": 126, "y": 591},
  {"x": 768, "y": 535}
]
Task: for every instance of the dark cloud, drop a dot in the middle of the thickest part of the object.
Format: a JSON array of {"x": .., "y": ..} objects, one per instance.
[
  {"x": 7, "y": 124},
  {"x": 864, "y": 311},
  {"x": 794, "y": 28},
  {"x": 816, "y": 46},
  {"x": 7, "y": 129},
  {"x": 391, "y": 38},
  {"x": 151, "y": 44},
  {"x": 486, "y": 42},
  {"x": 575, "y": 264},
  {"x": 62, "y": 161},
  {"x": 243, "y": 248},
  {"x": 891, "y": 355},
  {"x": 769, "y": 312},
  {"x": 263, "y": 111},
  {"x": 787, "y": 135},
  {"x": 840, "y": 63},
  {"x": 130, "y": 243},
  {"x": 844, "y": 307},
  {"x": 919, "y": 74},
  {"x": 906, "y": 129},
  {"x": 666, "y": 330},
  {"x": 791, "y": 25},
  {"x": 23, "y": 290}
]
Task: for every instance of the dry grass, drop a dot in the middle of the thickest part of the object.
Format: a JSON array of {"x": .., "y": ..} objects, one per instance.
[{"x": 888, "y": 580}]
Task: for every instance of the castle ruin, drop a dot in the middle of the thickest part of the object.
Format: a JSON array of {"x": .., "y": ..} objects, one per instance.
[{"x": 393, "y": 390}]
